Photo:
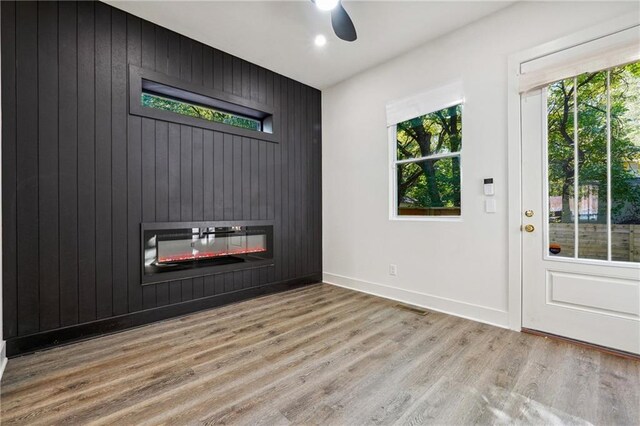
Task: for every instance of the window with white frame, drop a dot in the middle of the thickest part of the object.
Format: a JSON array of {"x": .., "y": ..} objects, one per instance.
[{"x": 425, "y": 152}]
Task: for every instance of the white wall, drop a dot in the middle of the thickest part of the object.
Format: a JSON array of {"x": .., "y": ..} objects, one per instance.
[{"x": 456, "y": 267}]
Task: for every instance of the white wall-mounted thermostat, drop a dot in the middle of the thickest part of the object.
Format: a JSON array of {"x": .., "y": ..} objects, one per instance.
[{"x": 488, "y": 187}]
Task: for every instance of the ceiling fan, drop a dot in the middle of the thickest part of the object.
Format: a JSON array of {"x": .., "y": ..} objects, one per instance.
[{"x": 340, "y": 20}]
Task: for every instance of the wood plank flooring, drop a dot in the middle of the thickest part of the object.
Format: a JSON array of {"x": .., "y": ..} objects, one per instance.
[{"x": 320, "y": 355}]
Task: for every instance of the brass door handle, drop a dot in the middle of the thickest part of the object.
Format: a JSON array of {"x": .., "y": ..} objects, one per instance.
[{"x": 529, "y": 228}]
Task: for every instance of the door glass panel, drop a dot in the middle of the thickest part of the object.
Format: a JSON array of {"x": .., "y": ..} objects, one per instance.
[
  {"x": 625, "y": 159},
  {"x": 592, "y": 166},
  {"x": 601, "y": 111},
  {"x": 560, "y": 131}
]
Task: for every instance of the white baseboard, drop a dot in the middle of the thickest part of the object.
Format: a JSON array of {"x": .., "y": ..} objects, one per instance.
[
  {"x": 427, "y": 301},
  {"x": 3, "y": 357}
]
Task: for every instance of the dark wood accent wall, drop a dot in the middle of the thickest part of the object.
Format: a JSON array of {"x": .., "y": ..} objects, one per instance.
[{"x": 79, "y": 174}]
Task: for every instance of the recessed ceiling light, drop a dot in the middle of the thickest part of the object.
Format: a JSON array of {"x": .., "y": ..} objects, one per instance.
[
  {"x": 326, "y": 4},
  {"x": 320, "y": 40}
]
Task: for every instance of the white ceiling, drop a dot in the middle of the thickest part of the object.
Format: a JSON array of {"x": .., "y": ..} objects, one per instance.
[{"x": 279, "y": 35}]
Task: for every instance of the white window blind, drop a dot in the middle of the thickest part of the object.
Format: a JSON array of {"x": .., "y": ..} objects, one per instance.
[
  {"x": 619, "y": 48},
  {"x": 424, "y": 103}
]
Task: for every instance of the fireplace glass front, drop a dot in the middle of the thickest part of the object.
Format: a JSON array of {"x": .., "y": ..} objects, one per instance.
[{"x": 205, "y": 249}]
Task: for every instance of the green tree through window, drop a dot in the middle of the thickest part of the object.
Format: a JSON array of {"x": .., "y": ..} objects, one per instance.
[
  {"x": 593, "y": 145},
  {"x": 198, "y": 111},
  {"x": 622, "y": 85},
  {"x": 428, "y": 163}
]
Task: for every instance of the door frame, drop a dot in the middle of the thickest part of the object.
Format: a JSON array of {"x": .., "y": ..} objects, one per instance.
[{"x": 514, "y": 147}]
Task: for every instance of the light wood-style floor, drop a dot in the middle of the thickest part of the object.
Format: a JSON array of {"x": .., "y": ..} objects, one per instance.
[{"x": 320, "y": 355}]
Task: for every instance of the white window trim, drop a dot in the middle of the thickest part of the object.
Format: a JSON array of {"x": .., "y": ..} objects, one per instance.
[
  {"x": 424, "y": 103},
  {"x": 411, "y": 107}
]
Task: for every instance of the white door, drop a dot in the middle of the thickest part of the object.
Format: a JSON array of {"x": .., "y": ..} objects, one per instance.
[{"x": 581, "y": 214}]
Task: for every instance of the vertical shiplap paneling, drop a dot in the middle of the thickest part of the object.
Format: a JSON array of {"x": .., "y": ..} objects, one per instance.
[
  {"x": 186, "y": 176},
  {"x": 185, "y": 58},
  {"x": 119, "y": 160},
  {"x": 175, "y": 292},
  {"x": 317, "y": 177},
  {"x": 238, "y": 280},
  {"x": 236, "y": 190},
  {"x": 227, "y": 72},
  {"x": 186, "y": 180},
  {"x": 187, "y": 289},
  {"x": 27, "y": 167},
  {"x": 207, "y": 175},
  {"x": 236, "y": 75},
  {"x": 161, "y": 39},
  {"x": 218, "y": 69},
  {"x": 134, "y": 176},
  {"x": 227, "y": 175},
  {"x": 48, "y": 164},
  {"x": 293, "y": 181},
  {"x": 68, "y": 161},
  {"x": 162, "y": 192},
  {"x": 283, "y": 261},
  {"x": 298, "y": 260},
  {"x": 98, "y": 172},
  {"x": 174, "y": 164},
  {"x": 209, "y": 285},
  {"x": 9, "y": 127},
  {"x": 218, "y": 284},
  {"x": 198, "y": 287},
  {"x": 246, "y": 178},
  {"x": 218, "y": 176},
  {"x": 304, "y": 192},
  {"x": 246, "y": 80},
  {"x": 262, "y": 177},
  {"x": 148, "y": 158},
  {"x": 148, "y": 197},
  {"x": 255, "y": 179},
  {"x": 229, "y": 284},
  {"x": 310, "y": 188},
  {"x": 161, "y": 171},
  {"x": 271, "y": 154},
  {"x": 104, "y": 271},
  {"x": 277, "y": 198},
  {"x": 197, "y": 169},
  {"x": 254, "y": 82},
  {"x": 262, "y": 85},
  {"x": 207, "y": 67},
  {"x": 196, "y": 63},
  {"x": 86, "y": 164},
  {"x": 173, "y": 54}
]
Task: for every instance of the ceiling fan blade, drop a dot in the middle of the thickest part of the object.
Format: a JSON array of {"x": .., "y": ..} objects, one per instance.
[{"x": 342, "y": 24}]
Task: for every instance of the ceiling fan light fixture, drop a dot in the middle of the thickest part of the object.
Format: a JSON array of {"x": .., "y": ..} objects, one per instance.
[
  {"x": 326, "y": 4},
  {"x": 320, "y": 40}
]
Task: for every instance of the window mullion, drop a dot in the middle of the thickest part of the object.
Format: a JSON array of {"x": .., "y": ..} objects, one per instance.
[
  {"x": 609, "y": 225},
  {"x": 428, "y": 157},
  {"x": 576, "y": 164}
]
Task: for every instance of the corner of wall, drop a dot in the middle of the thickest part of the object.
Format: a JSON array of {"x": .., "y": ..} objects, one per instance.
[{"x": 428, "y": 301}]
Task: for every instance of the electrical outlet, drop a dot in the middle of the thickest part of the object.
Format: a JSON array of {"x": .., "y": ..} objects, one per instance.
[{"x": 393, "y": 270}]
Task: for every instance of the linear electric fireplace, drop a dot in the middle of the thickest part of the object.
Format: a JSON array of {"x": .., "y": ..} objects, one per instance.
[{"x": 175, "y": 250}]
